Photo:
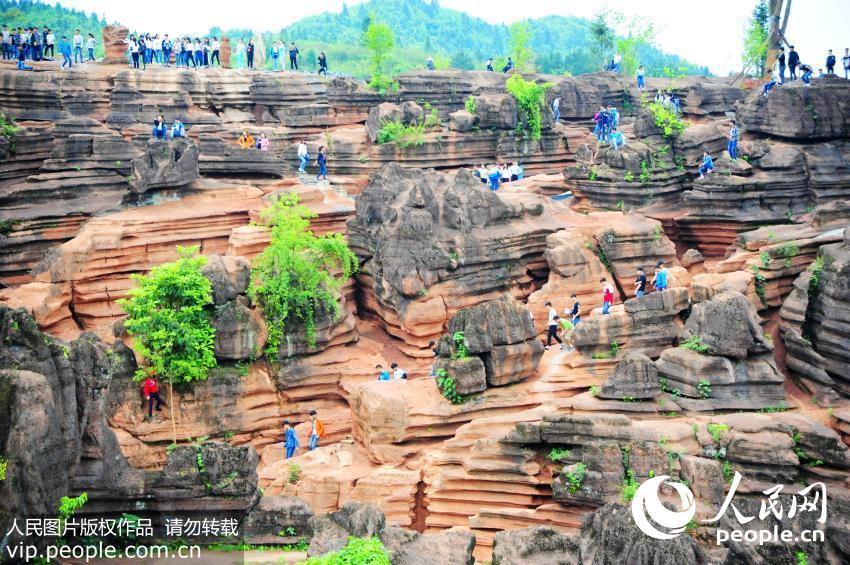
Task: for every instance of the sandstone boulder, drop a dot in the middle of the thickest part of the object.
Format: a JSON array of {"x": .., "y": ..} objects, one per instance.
[
  {"x": 539, "y": 545},
  {"x": 634, "y": 377},
  {"x": 274, "y": 515},
  {"x": 728, "y": 324},
  {"x": 331, "y": 531},
  {"x": 496, "y": 111},
  {"x": 114, "y": 37},
  {"x": 229, "y": 276},
  {"x": 461, "y": 121},
  {"x": 412, "y": 548},
  {"x": 239, "y": 331},
  {"x": 469, "y": 374},
  {"x": 165, "y": 164},
  {"x": 384, "y": 112}
]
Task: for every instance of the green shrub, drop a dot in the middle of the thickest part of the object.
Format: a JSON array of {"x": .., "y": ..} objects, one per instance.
[
  {"x": 294, "y": 277},
  {"x": 470, "y": 105},
  {"x": 558, "y": 454},
  {"x": 716, "y": 430},
  {"x": 576, "y": 478},
  {"x": 629, "y": 177},
  {"x": 448, "y": 387},
  {"x": 403, "y": 135},
  {"x": 461, "y": 351},
  {"x": 8, "y": 129},
  {"x": 704, "y": 388},
  {"x": 358, "y": 551},
  {"x": 594, "y": 390},
  {"x": 530, "y": 97},
  {"x": 3, "y": 466},
  {"x": 630, "y": 486},
  {"x": 695, "y": 343},
  {"x": 294, "y": 472},
  {"x": 668, "y": 120}
]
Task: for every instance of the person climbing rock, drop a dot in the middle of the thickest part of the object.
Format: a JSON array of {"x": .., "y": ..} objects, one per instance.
[
  {"x": 151, "y": 389},
  {"x": 246, "y": 140},
  {"x": 732, "y": 146},
  {"x": 317, "y": 432},
  {"x": 640, "y": 283},
  {"x": 807, "y": 73},
  {"x": 290, "y": 439},
  {"x": 567, "y": 328},
  {"x": 552, "y": 332},
  {"x": 618, "y": 140},
  {"x": 607, "y": 295}
]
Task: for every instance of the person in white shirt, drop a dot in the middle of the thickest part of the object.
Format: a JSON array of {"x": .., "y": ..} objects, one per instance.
[
  {"x": 90, "y": 47},
  {"x": 49, "y": 43},
  {"x": 216, "y": 47},
  {"x": 556, "y": 108},
  {"x": 78, "y": 46},
  {"x": 240, "y": 54},
  {"x": 553, "y": 327},
  {"x": 398, "y": 372},
  {"x": 303, "y": 155}
]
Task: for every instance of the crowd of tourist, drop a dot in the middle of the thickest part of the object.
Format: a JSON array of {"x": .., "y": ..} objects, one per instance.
[
  {"x": 498, "y": 173},
  {"x": 40, "y": 44}
]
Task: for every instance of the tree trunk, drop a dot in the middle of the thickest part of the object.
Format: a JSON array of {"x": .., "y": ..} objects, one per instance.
[
  {"x": 171, "y": 407},
  {"x": 776, "y": 32}
]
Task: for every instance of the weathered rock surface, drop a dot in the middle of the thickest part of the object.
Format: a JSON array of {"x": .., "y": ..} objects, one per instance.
[
  {"x": 634, "y": 377},
  {"x": 165, "y": 164},
  {"x": 535, "y": 546}
]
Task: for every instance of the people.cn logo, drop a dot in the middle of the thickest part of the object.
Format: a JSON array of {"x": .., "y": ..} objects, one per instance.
[{"x": 646, "y": 506}]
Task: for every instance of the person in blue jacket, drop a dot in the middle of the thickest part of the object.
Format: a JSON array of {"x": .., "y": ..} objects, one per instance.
[
  {"x": 495, "y": 177},
  {"x": 65, "y": 49},
  {"x": 159, "y": 128},
  {"x": 290, "y": 439},
  {"x": 707, "y": 165},
  {"x": 177, "y": 129}
]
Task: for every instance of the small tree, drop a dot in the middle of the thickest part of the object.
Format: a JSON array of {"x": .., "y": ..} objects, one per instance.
[
  {"x": 639, "y": 33},
  {"x": 530, "y": 98},
  {"x": 168, "y": 318},
  {"x": 520, "y": 44},
  {"x": 298, "y": 273},
  {"x": 378, "y": 39},
  {"x": 756, "y": 40},
  {"x": 602, "y": 36}
]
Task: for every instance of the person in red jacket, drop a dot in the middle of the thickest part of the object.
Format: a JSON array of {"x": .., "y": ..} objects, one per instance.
[
  {"x": 151, "y": 393},
  {"x": 607, "y": 295}
]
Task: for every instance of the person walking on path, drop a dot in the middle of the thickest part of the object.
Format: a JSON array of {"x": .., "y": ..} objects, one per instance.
[
  {"x": 317, "y": 432},
  {"x": 641, "y": 78},
  {"x": 293, "y": 57},
  {"x": 607, "y": 295},
  {"x": 552, "y": 331},
  {"x": 323, "y": 64},
  {"x": 732, "y": 146},
  {"x": 575, "y": 311},
  {"x": 303, "y": 156},
  {"x": 290, "y": 439},
  {"x": 322, "y": 161},
  {"x": 65, "y": 49},
  {"x": 793, "y": 61},
  {"x": 151, "y": 389}
]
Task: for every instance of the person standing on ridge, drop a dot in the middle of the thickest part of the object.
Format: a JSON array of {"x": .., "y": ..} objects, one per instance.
[
  {"x": 490, "y": 65},
  {"x": 732, "y": 146},
  {"x": 65, "y": 50},
  {"x": 323, "y": 64},
  {"x": 293, "y": 56},
  {"x": 78, "y": 46},
  {"x": 249, "y": 53},
  {"x": 556, "y": 108},
  {"x": 830, "y": 63},
  {"x": 793, "y": 61},
  {"x": 607, "y": 295},
  {"x": 641, "y": 78},
  {"x": 846, "y": 60},
  {"x": 781, "y": 61}
]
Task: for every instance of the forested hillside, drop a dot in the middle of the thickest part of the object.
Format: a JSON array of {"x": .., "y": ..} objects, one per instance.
[{"x": 62, "y": 20}]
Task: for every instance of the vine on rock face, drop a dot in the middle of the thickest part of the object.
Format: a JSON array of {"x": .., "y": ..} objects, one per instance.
[
  {"x": 530, "y": 98},
  {"x": 299, "y": 272}
]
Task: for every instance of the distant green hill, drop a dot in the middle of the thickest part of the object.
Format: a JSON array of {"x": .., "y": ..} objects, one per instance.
[
  {"x": 62, "y": 20},
  {"x": 561, "y": 44}
]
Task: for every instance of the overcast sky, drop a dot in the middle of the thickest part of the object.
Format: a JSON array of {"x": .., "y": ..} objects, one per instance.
[{"x": 706, "y": 33}]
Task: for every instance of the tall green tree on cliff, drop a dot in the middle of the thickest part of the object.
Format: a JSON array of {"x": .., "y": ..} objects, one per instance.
[
  {"x": 167, "y": 316},
  {"x": 520, "y": 44},
  {"x": 602, "y": 37},
  {"x": 378, "y": 39},
  {"x": 756, "y": 40}
]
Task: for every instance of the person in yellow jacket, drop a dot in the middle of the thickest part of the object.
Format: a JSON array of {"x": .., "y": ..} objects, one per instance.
[
  {"x": 246, "y": 141},
  {"x": 318, "y": 430}
]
